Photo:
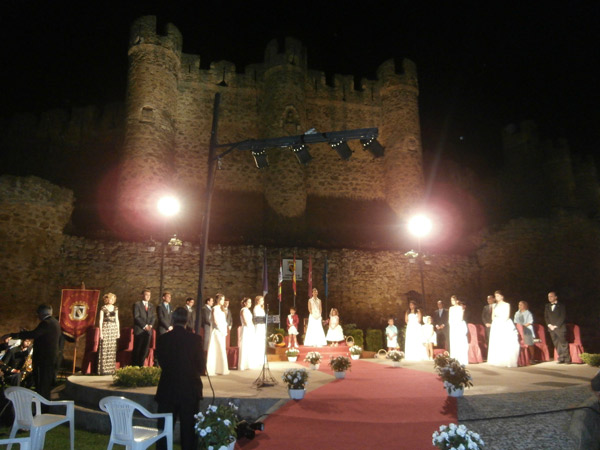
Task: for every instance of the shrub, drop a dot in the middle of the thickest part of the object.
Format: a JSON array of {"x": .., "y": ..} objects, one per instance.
[
  {"x": 374, "y": 339},
  {"x": 134, "y": 376},
  {"x": 357, "y": 335},
  {"x": 591, "y": 359}
]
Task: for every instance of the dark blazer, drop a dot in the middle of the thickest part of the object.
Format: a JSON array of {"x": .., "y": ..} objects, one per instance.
[
  {"x": 437, "y": 320},
  {"x": 486, "y": 314},
  {"x": 206, "y": 316},
  {"x": 558, "y": 317},
  {"x": 45, "y": 341},
  {"x": 141, "y": 317},
  {"x": 229, "y": 318},
  {"x": 191, "y": 321},
  {"x": 164, "y": 318},
  {"x": 181, "y": 358},
  {"x": 295, "y": 321}
]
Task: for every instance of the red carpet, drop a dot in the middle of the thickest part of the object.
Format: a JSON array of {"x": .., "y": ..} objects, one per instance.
[{"x": 375, "y": 407}]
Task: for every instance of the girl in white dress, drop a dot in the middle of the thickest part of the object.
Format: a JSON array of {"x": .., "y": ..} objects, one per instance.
[
  {"x": 413, "y": 344},
  {"x": 335, "y": 333},
  {"x": 459, "y": 344},
  {"x": 216, "y": 358},
  {"x": 315, "y": 336},
  {"x": 504, "y": 341},
  {"x": 429, "y": 337},
  {"x": 246, "y": 335},
  {"x": 260, "y": 324}
]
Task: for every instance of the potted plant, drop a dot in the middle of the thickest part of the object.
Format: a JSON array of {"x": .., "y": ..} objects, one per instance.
[
  {"x": 396, "y": 356},
  {"x": 314, "y": 359},
  {"x": 456, "y": 436},
  {"x": 216, "y": 428},
  {"x": 355, "y": 352},
  {"x": 455, "y": 375},
  {"x": 175, "y": 243},
  {"x": 292, "y": 354},
  {"x": 339, "y": 365},
  {"x": 296, "y": 380},
  {"x": 151, "y": 244}
]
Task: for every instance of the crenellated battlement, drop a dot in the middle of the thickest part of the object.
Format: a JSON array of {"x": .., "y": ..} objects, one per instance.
[{"x": 144, "y": 32}]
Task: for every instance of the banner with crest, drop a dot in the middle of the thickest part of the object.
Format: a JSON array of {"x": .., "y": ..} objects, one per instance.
[{"x": 78, "y": 310}]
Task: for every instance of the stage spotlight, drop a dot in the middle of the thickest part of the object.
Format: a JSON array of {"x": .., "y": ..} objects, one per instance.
[
  {"x": 301, "y": 152},
  {"x": 341, "y": 147},
  {"x": 373, "y": 146},
  {"x": 260, "y": 158}
]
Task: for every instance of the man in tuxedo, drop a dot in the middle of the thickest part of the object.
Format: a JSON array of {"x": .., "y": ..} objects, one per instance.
[
  {"x": 45, "y": 349},
  {"x": 191, "y": 322},
  {"x": 144, "y": 317},
  {"x": 486, "y": 316},
  {"x": 440, "y": 322},
  {"x": 179, "y": 389},
  {"x": 164, "y": 314},
  {"x": 207, "y": 320},
  {"x": 555, "y": 315}
]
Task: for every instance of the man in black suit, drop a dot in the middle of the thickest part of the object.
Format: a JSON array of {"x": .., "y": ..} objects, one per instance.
[
  {"x": 207, "y": 320},
  {"x": 440, "y": 322},
  {"x": 164, "y": 314},
  {"x": 144, "y": 317},
  {"x": 486, "y": 316},
  {"x": 191, "y": 322},
  {"x": 179, "y": 390},
  {"x": 45, "y": 349},
  {"x": 556, "y": 319}
]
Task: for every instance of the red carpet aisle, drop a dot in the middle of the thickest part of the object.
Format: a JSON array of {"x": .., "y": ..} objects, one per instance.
[{"x": 375, "y": 407}]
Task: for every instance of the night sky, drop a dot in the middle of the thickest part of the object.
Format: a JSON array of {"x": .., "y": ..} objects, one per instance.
[{"x": 482, "y": 65}]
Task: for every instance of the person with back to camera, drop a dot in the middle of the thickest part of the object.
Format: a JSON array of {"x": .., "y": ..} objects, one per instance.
[{"x": 108, "y": 323}]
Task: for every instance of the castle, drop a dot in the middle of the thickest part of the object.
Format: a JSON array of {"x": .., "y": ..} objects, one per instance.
[{"x": 169, "y": 109}]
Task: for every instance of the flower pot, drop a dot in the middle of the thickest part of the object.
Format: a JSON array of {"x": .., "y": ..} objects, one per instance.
[
  {"x": 396, "y": 363},
  {"x": 150, "y": 248},
  {"x": 174, "y": 248},
  {"x": 315, "y": 366},
  {"x": 340, "y": 375},
  {"x": 456, "y": 392},
  {"x": 292, "y": 358},
  {"x": 296, "y": 394},
  {"x": 231, "y": 446},
  {"x": 355, "y": 356}
]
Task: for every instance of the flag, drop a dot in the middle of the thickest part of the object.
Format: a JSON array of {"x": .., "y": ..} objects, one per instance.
[
  {"x": 294, "y": 275},
  {"x": 326, "y": 277},
  {"x": 310, "y": 275},
  {"x": 78, "y": 310},
  {"x": 280, "y": 280},
  {"x": 265, "y": 275}
]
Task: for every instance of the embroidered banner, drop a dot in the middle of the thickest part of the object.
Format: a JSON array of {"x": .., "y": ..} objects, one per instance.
[{"x": 78, "y": 310}]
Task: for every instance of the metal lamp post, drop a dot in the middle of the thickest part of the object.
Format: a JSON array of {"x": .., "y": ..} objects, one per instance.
[{"x": 168, "y": 207}]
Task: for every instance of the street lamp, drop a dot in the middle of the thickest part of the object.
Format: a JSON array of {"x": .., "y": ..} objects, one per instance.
[
  {"x": 168, "y": 206},
  {"x": 419, "y": 226}
]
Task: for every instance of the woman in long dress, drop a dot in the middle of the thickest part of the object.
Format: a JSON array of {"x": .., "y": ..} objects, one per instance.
[
  {"x": 315, "y": 336},
  {"x": 335, "y": 333},
  {"x": 413, "y": 343},
  {"x": 246, "y": 335},
  {"x": 216, "y": 358},
  {"x": 260, "y": 324},
  {"x": 108, "y": 323},
  {"x": 504, "y": 341},
  {"x": 459, "y": 344}
]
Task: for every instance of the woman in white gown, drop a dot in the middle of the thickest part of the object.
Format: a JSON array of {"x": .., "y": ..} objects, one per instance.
[
  {"x": 260, "y": 323},
  {"x": 414, "y": 350},
  {"x": 459, "y": 344},
  {"x": 246, "y": 335},
  {"x": 216, "y": 358},
  {"x": 504, "y": 341},
  {"x": 315, "y": 336}
]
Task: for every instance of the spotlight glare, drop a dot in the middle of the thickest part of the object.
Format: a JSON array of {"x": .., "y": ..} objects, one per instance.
[
  {"x": 420, "y": 225},
  {"x": 301, "y": 152},
  {"x": 342, "y": 148},
  {"x": 260, "y": 158},
  {"x": 168, "y": 206},
  {"x": 373, "y": 146}
]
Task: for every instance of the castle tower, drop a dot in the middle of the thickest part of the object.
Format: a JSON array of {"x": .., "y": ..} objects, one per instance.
[
  {"x": 282, "y": 112},
  {"x": 151, "y": 105},
  {"x": 400, "y": 134}
]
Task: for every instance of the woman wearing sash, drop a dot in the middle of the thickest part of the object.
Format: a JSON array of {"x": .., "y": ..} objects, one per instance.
[{"x": 315, "y": 336}]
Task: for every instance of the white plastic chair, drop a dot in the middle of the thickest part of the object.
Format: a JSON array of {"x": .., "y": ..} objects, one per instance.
[
  {"x": 39, "y": 423},
  {"x": 22, "y": 441},
  {"x": 120, "y": 410}
]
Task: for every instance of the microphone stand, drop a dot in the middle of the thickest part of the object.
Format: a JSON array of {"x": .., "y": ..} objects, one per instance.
[{"x": 265, "y": 378}]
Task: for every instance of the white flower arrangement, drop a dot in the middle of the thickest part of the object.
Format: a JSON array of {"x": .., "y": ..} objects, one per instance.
[
  {"x": 456, "y": 437},
  {"x": 395, "y": 355},
  {"x": 356, "y": 350},
  {"x": 216, "y": 428},
  {"x": 295, "y": 378},
  {"x": 313, "y": 358},
  {"x": 292, "y": 352}
]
